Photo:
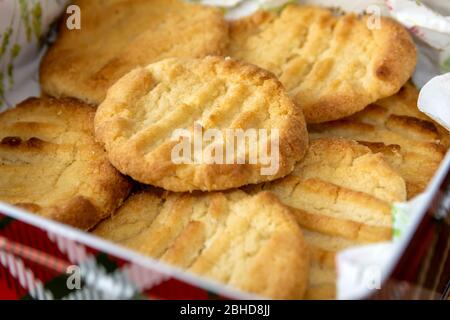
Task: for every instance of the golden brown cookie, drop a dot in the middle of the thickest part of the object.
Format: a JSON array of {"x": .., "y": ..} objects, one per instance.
[
  {"x": 412, "y": 143},
  {"x": 332, "y": 66},
  {"x": 141, "y": 118},
  {"x": 117, "y": 36},
  {"x": 251, "y": 243},
  {"x": 351, "y": 165},
  {"x": 341, "y": 194},
  {"x": 50, "y": 163},
  {"x": 342, "y": 189}
]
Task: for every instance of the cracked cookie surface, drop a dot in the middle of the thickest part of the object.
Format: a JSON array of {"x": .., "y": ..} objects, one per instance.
[
  {"x": 248, "y": 242},
  {"x": 117, "y": 36},
  {"x": 143, "y": 110},
  {"x": 50, "y": 163},
  {"x": 410, "y": 141},
  {"x": 341, "y": 195},
  {"x": 332, "y": 66}
]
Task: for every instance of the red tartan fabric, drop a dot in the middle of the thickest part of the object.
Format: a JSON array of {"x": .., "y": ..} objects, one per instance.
[{"x": 32, "y": 267}]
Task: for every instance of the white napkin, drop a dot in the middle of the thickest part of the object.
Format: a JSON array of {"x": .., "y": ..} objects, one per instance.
[
  {"x": 434, "y": 100},
  {"x": 23, "y": 26}
]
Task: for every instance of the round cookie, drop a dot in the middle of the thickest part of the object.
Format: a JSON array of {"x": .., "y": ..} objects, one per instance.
[
  {"x": 50, "y": 163},
  {"x": 251, "y": 243},
  {"x": 332, "y": 66},
  {"x": 341, "y": 195},
  {"x": 201, "y": 124},
  {"x": 119, "y": 35}
]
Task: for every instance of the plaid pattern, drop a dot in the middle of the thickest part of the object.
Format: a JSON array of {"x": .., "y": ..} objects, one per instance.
[{"x": 34, "y": 265}]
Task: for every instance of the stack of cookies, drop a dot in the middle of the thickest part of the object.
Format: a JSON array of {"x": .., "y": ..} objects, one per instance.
[{"x": 249, "y": 152}]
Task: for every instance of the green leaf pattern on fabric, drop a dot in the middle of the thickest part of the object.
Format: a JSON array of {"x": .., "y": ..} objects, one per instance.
[
  {"x": 10, "y": 72},
  {"x": 30, "y": 22},
  {"x": 25, "y": 16},
  {"x": 5, "y": 41},
  {"x": 401, "y": 219},
  {"x": 2, "y": 89},
  {"x": 15, "y": 50},
  {"x": 280, "y": 8},
  {"x": 446, "y": 65},
  {"x": 37, "y": 20}
]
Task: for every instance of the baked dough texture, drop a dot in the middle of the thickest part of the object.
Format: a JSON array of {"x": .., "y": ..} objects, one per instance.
[
  {"x": 410, "y": 141},
  {"x": 117, "y": 36},
  {"x": 142, "y": 111},
  {"x": 50, "y": 163},
  {"x": 341, "y": 195},
  {"x": 251, "y": 243},
  {"x": 332, "y": 66}
]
